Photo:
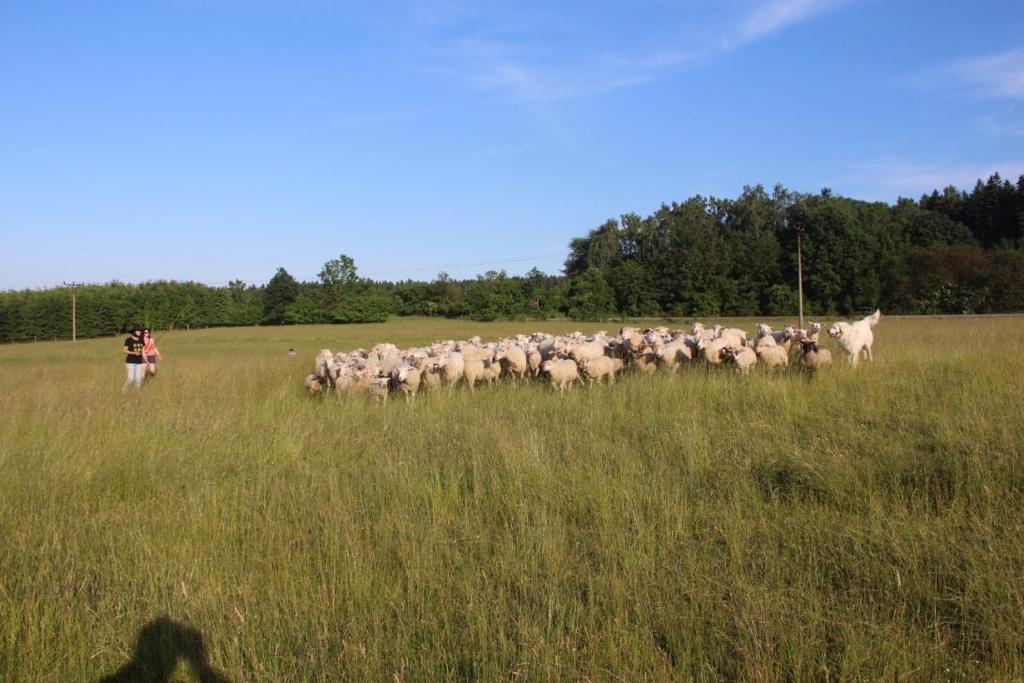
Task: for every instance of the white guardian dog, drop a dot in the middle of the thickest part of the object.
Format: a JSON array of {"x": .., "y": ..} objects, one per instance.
[{"x": 856, "y": 338}]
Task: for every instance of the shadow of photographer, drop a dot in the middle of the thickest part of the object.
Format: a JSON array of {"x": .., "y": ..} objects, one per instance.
[{"x": 159, "y": 646}]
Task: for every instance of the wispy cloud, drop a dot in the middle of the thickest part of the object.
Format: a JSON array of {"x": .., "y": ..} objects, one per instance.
[
  {"x": 525, "y": 70},
  {"x": 1007, "y": 123},
  {"x": 438, "y": 12},
  {"x": 994, "y": 76},
  {"x": 999, "y": 75},
  {"x": 527, "y": 73},
  {"x": 519, "y": 82},
  {"x": 778, "y": 14},
  {"x": 888, "y": 178}
]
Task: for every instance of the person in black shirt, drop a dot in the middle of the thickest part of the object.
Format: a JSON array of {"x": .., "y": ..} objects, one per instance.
[{"x": 133, "y": 358}]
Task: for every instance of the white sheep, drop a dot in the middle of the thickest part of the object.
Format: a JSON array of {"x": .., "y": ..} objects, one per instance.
[
  {"x": 764, "y": 337},
  {"x": 645, "y": 361},
  {"x": 513, "y": 361},
  {"x": 732, "y": 335},
  {"x": 327, "y": 366},
  {"x": 347, "y": 377},
  {"x": 711, "y": 351},
  {"x": 783, "y": 337},
  {"x": 764, "y": 342},
  {"x": 492, "y": 371},
  {"x": 588, "y": 351},
  {"x": 561, "y": 372},
  {"x": 676, "y": 352},
  {"x": 630, "y": 339},
  {"x": 378, "y": 388},
  {"x": 407, "y": 379},
  {"x": 475, "y": 351},
  {"x": 700, "y": 332},
  {"x": 772, "y": 355},
  {"x": 453, "y": 368},
  {"x": 315, "y": 385},
  {"x": 549, "y": 347},
  {"x": 743, "y": 357},
  {"x": 595, "y": 369},
  {"x": 534, "y": 360},
  {"x": 431, "y": 375},
  {"x": 474, "y": 372}
]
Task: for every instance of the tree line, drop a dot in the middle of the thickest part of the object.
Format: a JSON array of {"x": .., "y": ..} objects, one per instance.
[{"x": 948, "y": 252}]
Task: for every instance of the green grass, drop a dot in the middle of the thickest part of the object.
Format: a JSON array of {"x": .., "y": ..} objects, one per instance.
[{"x": 860, "y": 525}]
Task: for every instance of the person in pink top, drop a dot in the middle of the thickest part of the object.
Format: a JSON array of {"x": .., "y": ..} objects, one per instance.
[{"x": 149, "y": 352}]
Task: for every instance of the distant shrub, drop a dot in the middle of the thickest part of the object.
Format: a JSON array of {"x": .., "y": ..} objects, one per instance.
[
  {"x": 365, "y": 308},
  {"x": 781, "y": 300},
  {"x": 704, "y": 304},
  {"x": 590, "y": 297},
  {"x": 303, "y": 311}
]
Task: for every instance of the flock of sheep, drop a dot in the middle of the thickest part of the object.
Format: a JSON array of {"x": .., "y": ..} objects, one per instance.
[{"x": 565, "y": 359}]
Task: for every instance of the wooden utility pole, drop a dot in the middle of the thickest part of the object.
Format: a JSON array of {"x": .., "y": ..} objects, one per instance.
[
  {"x": 800, "y": 272},
  {"x": 74, "y": 319}
]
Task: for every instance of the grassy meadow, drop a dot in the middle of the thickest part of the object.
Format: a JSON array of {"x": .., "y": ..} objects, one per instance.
[{"x": 857, "y": 525}]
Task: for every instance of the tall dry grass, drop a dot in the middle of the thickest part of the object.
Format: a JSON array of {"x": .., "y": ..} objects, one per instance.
[{"x": 858, "y": 525}]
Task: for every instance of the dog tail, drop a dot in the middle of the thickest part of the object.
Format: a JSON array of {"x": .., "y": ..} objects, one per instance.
[{"x": 874, "y": 318}]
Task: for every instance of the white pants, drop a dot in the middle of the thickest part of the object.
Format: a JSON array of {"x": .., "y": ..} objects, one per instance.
[{"x": 136, "y": 373}]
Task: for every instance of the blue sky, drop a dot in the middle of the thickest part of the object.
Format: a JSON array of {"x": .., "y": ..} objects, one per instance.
[{"x": 211, "y": 140}]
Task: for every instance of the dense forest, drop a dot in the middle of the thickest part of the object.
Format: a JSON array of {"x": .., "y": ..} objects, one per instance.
[{"x": 948, "y": 252}]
